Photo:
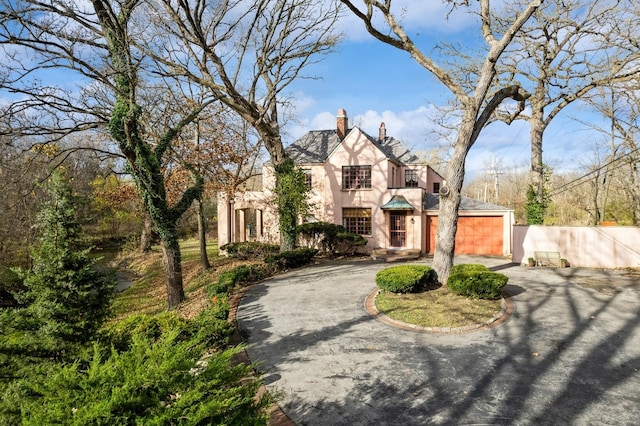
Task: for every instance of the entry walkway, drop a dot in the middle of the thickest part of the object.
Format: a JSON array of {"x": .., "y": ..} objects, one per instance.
[{"x": 569, "y": 354}]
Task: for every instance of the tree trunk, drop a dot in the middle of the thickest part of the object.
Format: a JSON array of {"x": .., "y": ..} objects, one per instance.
[
  {"x": 635, "y": 191},
  {"x": 596, "y": 199},
  {"x": 202, "y": 236},
  {"x": 537, "y": 166},
  {"x": 173, "y": 270},
  {"x": 449, "y": 204},
  {"x": 146, "y": 237}
]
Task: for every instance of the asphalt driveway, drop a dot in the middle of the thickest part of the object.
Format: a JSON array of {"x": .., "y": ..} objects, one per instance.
[{"x": 569, "y": 354}]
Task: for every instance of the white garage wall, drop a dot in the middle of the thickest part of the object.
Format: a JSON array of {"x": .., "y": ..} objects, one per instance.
[{"x": 596, "y": 246}]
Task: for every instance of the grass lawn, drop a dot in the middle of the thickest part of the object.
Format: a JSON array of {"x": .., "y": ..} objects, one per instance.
[
  {"x": 148, "y": 293},
  {"x": 437, "y": 308}
]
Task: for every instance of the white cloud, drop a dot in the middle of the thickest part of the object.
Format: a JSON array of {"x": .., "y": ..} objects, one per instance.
[
  {"x": 506, "y": 145},
  {"x": 415, "y": 16},
  {"x": 413, "y": 127}
]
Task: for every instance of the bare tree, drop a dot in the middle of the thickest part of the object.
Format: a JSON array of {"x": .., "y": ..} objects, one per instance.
[
  {"x": 619, "y": 105},
  {"x": 246, "y": 54},
  {"x": 471, "y": 91},
  {"x": 224, "y": 152},
  {"x": 568, "y": 48},
  {"x": 47, "y": 43}
]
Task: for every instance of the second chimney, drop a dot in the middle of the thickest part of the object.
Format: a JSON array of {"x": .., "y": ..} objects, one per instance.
[
  {"x": 382, "y": 133},
  {"x": 342, "y": 123}
]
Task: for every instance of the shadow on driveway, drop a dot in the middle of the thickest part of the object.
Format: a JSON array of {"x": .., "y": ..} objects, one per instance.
[{"x": 568, "y": 355}]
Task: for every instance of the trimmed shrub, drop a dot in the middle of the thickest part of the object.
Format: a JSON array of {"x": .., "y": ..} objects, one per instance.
[
  {"x": 404, "y": 278},
  {"x": 348, "y": 244},
  {"x": 320, "y": 235},
  {"x": 478, "y": 284},
  {"x": 293, "y": 258},
  {"x": 329, "y": 238},
  {"x": 467, "y": 267},
  {"x": 250, "y": 250}
]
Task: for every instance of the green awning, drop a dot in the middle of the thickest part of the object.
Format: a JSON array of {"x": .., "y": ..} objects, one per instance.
[{"x": 397, "y": 202}]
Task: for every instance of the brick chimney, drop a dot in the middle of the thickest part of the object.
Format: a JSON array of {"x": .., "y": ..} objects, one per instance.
[
  {"x": 382, "y": 132},
  {"x": 342, "y": 123}
]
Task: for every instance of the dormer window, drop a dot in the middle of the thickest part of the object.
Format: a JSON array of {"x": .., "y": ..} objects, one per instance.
[
  {"x": 356, "y": 177},
  {"x": 411, "y": 178}
]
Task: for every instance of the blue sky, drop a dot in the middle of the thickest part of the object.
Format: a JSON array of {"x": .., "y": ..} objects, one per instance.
[{"x": 375, "y": 82}]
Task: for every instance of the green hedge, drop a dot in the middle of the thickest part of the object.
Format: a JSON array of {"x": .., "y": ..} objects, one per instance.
[
  {"x": 293, "y": 258},
  {"x": 321, "y": 235},
  {"x": 250, "y": 250},
  {"x": 329, "y": 238},
  {"x": 348, "y": 243},
  {"x": 467, "y": 267},
  {"x": 248, "y": 274},
  {"x": 243, "y": 274},
  {"x": 478, "y": 284},
  {"x": 404, "y": 278}
]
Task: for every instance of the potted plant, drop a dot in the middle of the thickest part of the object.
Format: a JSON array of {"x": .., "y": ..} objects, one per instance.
[
  {"x": 564, "y": 263},
  {"x": 532, "y": 261}
]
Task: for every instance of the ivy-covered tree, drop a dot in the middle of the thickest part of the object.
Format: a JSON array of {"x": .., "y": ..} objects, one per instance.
[
  {"x": 291, "y": 199},
  {"x": 538, "y": 199},
  {"x": 534, "y": 209},
  {"x": 247, "y": 54},
  {"x": 105, "y": 93}
]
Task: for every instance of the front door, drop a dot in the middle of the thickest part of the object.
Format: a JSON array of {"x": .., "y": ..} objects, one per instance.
[{"x": 398, "y": 229}]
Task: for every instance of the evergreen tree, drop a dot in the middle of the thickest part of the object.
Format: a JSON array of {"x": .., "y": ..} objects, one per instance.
[{"x": 66, "y": 299}]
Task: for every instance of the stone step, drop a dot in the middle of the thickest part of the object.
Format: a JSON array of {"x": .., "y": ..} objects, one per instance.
[{"x": 395, "y": 255}]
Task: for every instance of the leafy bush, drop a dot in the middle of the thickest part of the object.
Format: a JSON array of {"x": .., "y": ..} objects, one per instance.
[
  {"x": 120, "y": 334},
  {"x": 172, "y": 379},
  {"x": 243, "y": 274},
  {"x": 404, "y": 278},
  {"x": 347, "y": 243},
  {"x": 477, "y": 284},
  {"x": 293, "y": 258},
  {"x": 320, "y": 235},
  {"x": 250, "y": 250},
  {"x": 467, "y": 267}
]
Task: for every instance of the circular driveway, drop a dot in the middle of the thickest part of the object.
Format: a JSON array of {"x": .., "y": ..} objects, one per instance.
[{"x": 569, "y": 354}]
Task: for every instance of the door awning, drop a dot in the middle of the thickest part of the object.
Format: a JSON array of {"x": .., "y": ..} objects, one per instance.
[{"x": 397, "y": 202}]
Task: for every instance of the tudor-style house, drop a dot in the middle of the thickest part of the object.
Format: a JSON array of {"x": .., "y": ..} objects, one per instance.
[{"x": 373, "y": 186}]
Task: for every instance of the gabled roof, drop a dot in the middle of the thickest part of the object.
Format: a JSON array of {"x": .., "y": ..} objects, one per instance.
[
  {"x": 316, "y": 145},
  {"x": 432, "y": 202},
  {"x": 313, "y": 147}
]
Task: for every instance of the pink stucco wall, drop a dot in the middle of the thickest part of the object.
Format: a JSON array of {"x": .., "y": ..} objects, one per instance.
[
  {"x": 328, "y": 198},
  {"x": 597, "y": 247}
]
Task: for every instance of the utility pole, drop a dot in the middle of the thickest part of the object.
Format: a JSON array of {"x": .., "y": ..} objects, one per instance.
[{"x": 496, "y": 179}]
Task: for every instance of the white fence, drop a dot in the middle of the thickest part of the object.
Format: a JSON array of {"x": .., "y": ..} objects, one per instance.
[{"x": 596, "y": 247}]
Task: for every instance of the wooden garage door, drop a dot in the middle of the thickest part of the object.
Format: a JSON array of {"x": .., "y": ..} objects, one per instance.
[{"x": 476, "y": 235}]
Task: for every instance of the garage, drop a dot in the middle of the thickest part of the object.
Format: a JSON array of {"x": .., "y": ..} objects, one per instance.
[{"x": 482, "y": 235}]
